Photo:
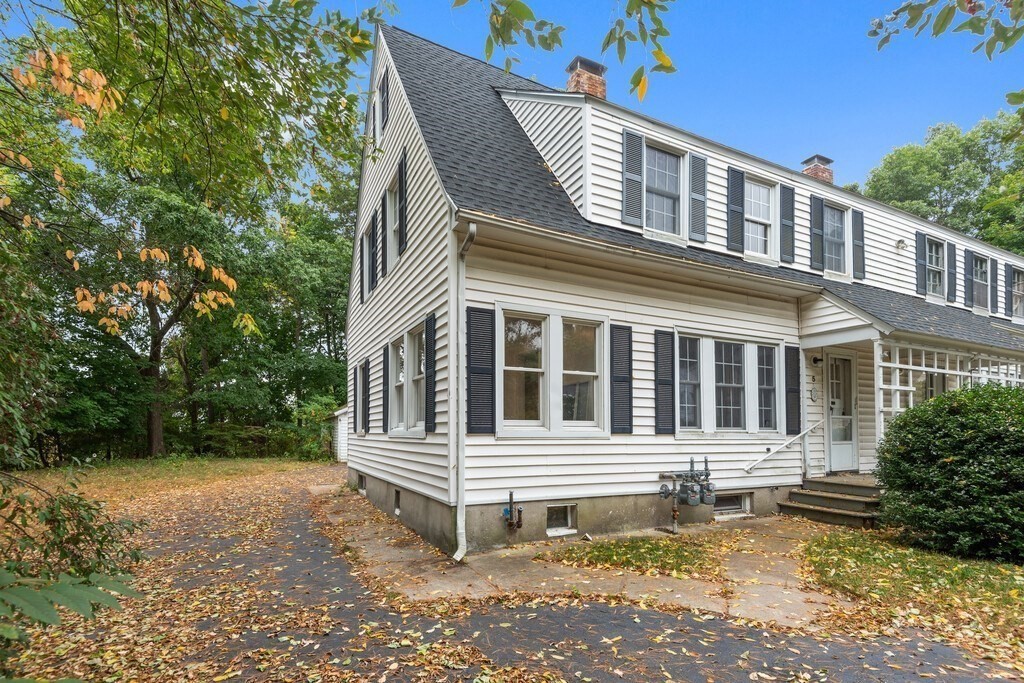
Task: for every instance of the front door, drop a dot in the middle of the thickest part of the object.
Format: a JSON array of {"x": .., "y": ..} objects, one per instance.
[{"x": 842, "y": 451}]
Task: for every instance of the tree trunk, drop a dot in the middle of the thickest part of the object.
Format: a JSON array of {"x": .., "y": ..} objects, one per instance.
[{"x": 155, "y": 412}]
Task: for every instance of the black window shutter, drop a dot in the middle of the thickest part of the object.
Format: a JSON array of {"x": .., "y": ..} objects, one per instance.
[
  {"x": 403, "y": 203},
  {"x": 362, "y": 269},
  {"x": 385, "y": 389},
  {"x": 385, "y": 101},
  {"x": 793, "y": 421},
  {"x": 698, "y": 198},
  {"x": 430, "y": 374},
  {"x": 366, "y": 396},
  {"x": 354, "y": 404},
  {"x": 622, "y": 379},
  {"x": 968, "y": 277},
  {"x": 950, "y": 271},
  {"x": 480, "y": 371},
  {"x": 632, "y": 178},
  {"x": 736, "y": 190},
  {"x": 858, "y": 245},
  {"x": 384, "y": 235},
  {"x": 373, "y": 250},
  {"x": 921, "y": 261},
  {"x": 817, "y": 233},
  {"x": 787, "y": 220},
  {"x": 1008, "y": 288},
  {"x": 664, "y": 382},
  {"x": 993, "y": 286}
]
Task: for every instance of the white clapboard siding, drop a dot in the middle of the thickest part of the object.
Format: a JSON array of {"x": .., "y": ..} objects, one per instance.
[
  {"x": 890, "y": 235},
  {"x": 556, "y": 129},
  {"x": 815, "y": 400},
  {"x": 414, "y": 287},
  {"x": 545, "y": 468},
  {"x": 866, "y": 438}
]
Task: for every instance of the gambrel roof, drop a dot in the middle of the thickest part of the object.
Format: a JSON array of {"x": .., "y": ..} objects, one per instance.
[{"x": 488, "y": 165}]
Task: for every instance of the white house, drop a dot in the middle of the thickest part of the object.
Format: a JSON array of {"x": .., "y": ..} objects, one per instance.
[{"x": 561, "y": 298}]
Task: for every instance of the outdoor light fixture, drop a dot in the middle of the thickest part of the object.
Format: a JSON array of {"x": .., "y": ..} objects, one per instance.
[{"x": 901, "y": 244}]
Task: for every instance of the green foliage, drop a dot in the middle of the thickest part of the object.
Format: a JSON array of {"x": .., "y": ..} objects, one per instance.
[
  {"x": 953, "y": 473},
  {"x": 946, "y": 178}
]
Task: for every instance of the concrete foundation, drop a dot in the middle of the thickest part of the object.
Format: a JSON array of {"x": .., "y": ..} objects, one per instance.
[{"x": 486, "y": 527}]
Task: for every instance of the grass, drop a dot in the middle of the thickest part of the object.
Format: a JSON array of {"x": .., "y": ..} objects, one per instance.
[
  {"x": 973, "y": 600},
  {"x": 126, "y": 479},
  {"x": 691, "y": 555}
]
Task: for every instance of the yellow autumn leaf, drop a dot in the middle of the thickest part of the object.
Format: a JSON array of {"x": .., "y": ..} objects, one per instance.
[
  {"x": 224, "y": 113},
  {"x": 641, "y": 89},
  {"x": 119, "y": 255},
  {"x": 69, "y": 254},
  {"x": 26, "y": 220},
  {"x": 5, "y": 202},
  {"x": 662, "y": 58}
]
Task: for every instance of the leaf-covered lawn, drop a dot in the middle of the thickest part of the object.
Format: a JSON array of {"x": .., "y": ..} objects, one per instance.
[
  {"x": 697, "y": 556},
  {"x": 973, "y": 602},
  {"x": 127, "y": 479}
]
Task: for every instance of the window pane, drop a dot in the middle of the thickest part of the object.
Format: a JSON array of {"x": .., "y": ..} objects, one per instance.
[
  {"x": 936, "y": 254},
  {"x": 766, "y": 387},
  {"x": 689, "y": 382},
  {"x": 662, "y": 171},
  {"x": 981, "y": 282},
  {"x": 758, "y": 202},
  {"x": 757, "y": 237},
  {"x": 729, "y": 385},
  {"x": 662, "y": 191},
  {"x": 579, "y": 347},
  {"x": 578, "y": 397},
  {"x": 524, "y": 342},
  {"x": 522, "y": 395},
  {"x": 835, "y": 240},
  {"x": 1018, "y": 292}
]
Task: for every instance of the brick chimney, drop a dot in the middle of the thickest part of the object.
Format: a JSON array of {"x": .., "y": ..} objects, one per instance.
[
  {"x": 820, "y": 167},
  {"x": 587, "y": 76}
]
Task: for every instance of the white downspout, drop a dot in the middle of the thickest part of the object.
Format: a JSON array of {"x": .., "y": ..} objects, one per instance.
[{"x": 460, "y": 432}]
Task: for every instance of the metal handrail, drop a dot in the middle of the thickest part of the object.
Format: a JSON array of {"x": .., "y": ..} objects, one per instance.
[{"x": 785, "y": 444}]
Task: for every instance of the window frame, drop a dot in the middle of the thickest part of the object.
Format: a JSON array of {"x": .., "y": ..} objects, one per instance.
[
  {"x": 984, "y": 290},
  {"x": 940, "y": 269},
  {"x": 771, "y": 252},
  {"x": 846, "y": 241},
  {"x": 391, "y": 194},
  {"x": 680, "y": 427},
  {"x": 682, "y": 173},
  {"x": 1017, "y": 294},
  {"x": 552, "y": 424},
  {"x": 706, "y": 370},
  {"x": 413, "y": 406}
]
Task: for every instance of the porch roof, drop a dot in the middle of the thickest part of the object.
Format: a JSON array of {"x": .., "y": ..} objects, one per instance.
[{"x": 488, "y": 165}]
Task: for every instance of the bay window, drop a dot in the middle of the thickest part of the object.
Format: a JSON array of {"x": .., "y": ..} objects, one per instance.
[{"x": 552, "y": 375}]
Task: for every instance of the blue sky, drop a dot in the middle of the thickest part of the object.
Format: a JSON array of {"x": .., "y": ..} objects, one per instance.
[{"x": 782, "y": 80}]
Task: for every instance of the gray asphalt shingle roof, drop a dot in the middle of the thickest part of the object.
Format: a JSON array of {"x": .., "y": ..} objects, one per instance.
[{"x": 488, "y": 164}]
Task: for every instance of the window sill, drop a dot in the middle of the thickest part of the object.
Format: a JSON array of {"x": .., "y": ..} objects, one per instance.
[
  {"x": 507, "y": 433},
  {"x": 754, "y": 257},
  {"x": 978, "y": 310},
  {"x": 665, "y": 236},
  {"x": 555, "y": 533},
  {"x": 415, "y": 433},
  {"x": 838, "y": 277},
  {"x": 692, "y": 434},
  {"x": 935, "y": 299}
]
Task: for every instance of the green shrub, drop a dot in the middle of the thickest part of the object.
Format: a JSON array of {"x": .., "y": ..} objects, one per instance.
[{"x": 953, "y": 473}]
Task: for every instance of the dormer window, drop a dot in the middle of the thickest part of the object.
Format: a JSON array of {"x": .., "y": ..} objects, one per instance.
[
  {"x": 757, "y": 218},
  {"x": 662, "y": 191},
  {"x": 835, "y": 239},
  {"x": 936, "y": 267},
  {"x": 1018, "y": 293}
]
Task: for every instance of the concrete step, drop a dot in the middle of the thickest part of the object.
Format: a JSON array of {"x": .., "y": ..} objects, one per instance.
[
  {"x": 839, "y": 485},
  {"x": 839, "y": 501},
  {"x": 863, "y": 520}
]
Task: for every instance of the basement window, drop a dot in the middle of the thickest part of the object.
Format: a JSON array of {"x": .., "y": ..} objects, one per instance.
[
  {"x": 732, "y": 504},
  {"x": 561, "y": 519},
  {"x": 361, "y": 483},
  {"x": 398, "y": 502}
]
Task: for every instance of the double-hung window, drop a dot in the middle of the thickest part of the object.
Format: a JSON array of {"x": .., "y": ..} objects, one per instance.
[
  {"x": 392, "y": 226},
  {"x": 981, "y": 281},
  {"x": 835, "y": 239},
  {"x": 936, "y": 266},
  {"x": 553, "y": 373},
  {"x": 662, "y": 191},
  {"x": 689, "y": 383},
  {"x": 523, "y": 398},
  {"x": 579, "y": 372},
  {"x": 729, "y": 385},
  {"x": 1018, "y": 292},
  {"x": 757, "y": 218},
  {"x": 766, "y": 390},
  {"x": 408, "y": 389}
]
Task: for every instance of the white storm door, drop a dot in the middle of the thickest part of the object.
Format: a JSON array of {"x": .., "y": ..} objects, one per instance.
[{"x": 842, "y": 450}]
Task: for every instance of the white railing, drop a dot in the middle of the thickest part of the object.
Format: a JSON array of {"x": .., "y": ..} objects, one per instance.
[{"x": 785, "y": 444}]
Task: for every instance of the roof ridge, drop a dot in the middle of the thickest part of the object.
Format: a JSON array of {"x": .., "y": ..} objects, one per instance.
[{"x": 452, "y": 50}]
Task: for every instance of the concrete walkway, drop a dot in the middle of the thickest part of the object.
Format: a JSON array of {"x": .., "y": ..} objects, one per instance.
[{"x": 759, "y": 583}]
